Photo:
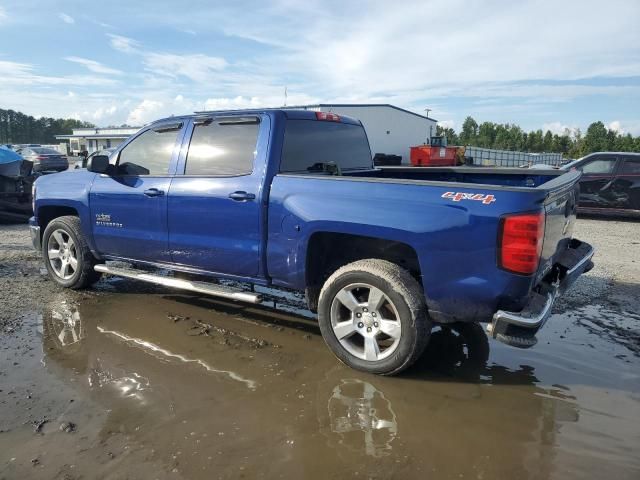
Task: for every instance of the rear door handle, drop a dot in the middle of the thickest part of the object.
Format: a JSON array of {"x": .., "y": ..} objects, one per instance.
[
  {"x": 242, "y": 196},
  {"x": 153, "y": 192}
]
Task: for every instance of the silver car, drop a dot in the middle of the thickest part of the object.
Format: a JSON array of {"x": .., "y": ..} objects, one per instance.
[{"x": 45, "y": 159}]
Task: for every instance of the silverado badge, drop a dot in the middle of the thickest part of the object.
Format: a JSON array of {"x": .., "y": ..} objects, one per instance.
[{"x": 104, "y": 220}]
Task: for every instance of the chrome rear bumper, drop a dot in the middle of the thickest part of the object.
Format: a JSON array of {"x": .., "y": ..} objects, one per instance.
[{"x": 519, "y": 328}]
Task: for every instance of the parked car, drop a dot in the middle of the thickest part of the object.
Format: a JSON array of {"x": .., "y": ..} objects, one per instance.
[
  {"x": 610, "y": 183},
  {"x": 44, "y": 159},
  {"x": 82, "y": 160},
  {"x": 291, "y": 199},
  {"x": 15, "y": 186}
]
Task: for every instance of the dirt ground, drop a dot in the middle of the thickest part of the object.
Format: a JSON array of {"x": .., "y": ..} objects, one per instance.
[{"x": 131, "y": 381}]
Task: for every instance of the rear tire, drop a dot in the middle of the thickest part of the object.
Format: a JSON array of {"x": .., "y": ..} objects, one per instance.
[
  {"x": 372, "y": 315},
  {"x": 66, "y": 254}
]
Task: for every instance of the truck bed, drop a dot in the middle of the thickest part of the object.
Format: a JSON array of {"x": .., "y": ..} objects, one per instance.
[{"x": 477, "y": 176}]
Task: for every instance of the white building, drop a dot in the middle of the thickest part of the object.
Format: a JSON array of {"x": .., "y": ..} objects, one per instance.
[
  {"x": 92, "y": 139},
  {"x": 391, "y": 130}
]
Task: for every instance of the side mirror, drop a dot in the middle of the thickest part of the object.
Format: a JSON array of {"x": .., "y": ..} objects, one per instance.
[{"x": 98, "y": 164}]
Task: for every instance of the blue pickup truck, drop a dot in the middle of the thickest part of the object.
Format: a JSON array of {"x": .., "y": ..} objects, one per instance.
[{"x": 291, "y": 199}]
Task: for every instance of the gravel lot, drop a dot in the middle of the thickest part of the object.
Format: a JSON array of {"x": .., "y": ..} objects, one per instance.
[{"x": 127, "y": 380}]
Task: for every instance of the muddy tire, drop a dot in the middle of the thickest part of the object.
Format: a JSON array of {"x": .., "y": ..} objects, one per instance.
[
  {"x": 372, "y": 315},
  {"x": 66, "y": 254}
]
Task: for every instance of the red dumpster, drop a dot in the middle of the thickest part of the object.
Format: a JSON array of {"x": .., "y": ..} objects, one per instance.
[{"x": 433, "y": 156}]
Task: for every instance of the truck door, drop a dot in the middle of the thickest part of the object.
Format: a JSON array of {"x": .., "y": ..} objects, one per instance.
[
  {"x": 626, "y": 184},
  {"x": 215, "y": 203},
  {"x": 129, "y": 206},
  {"x": 595, "y": 184}
]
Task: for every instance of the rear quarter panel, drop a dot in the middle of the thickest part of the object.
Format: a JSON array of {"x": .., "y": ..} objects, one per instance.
[{"x": 455, "y": 241}]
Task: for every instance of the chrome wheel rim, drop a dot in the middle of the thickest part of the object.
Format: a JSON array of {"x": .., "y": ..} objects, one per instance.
[
  {"x": 366, "y": 322},
  {"x": 62, "y": 254}
]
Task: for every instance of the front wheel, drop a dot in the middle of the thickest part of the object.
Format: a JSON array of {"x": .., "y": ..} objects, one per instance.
[
  {"x": 67, "y": 256},
  {"x": 373, "y": 316}
]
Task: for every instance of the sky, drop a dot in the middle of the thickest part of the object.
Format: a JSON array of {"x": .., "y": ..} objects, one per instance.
[{"x": 540, "y": 64}]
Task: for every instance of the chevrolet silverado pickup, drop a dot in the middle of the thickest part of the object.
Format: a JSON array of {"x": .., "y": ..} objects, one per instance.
[{"x": 291, "y": 199}]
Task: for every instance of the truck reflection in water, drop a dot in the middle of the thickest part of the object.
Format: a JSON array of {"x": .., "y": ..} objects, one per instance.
[
  {"x": 455, "y": 412},
  {"x": 360, "y": 411}
]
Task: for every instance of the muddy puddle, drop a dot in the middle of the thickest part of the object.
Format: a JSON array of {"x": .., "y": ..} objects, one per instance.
[{"x": 167, "y": 385}]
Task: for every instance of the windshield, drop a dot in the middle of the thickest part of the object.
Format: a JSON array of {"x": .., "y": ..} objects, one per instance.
[{"x": 308, "y": 144}]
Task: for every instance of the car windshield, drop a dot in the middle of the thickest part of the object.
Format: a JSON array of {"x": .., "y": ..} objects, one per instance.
[{"x": 45, "y": 151}]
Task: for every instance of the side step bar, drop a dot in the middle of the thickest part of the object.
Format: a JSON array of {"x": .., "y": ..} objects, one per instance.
[{"x": 199, "y": 287}]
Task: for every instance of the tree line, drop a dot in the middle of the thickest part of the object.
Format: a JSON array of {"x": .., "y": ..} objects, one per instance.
[
  {"x": 16, "y": 127},
  {"x": 572, "y": 144}
]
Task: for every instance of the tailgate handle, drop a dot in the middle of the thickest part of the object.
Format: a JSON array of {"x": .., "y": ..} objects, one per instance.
[{"x": 242, "y": 196}]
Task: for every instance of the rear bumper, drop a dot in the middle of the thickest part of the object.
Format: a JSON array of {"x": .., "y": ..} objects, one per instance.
[{"x": 519, "y": 328}]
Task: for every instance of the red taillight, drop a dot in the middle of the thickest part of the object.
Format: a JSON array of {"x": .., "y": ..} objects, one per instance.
[
  {"x": 521, "y": 239},
  {"x": 42, "y": 157},
  {"x": 329, "y": 117}
]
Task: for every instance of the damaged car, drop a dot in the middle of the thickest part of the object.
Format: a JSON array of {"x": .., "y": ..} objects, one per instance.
[{"x": 16, "y": 180}]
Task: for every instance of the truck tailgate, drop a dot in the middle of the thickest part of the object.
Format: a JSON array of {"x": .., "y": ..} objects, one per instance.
[{"x": 560, "y": 208}]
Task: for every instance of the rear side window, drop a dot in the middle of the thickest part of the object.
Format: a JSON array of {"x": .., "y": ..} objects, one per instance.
[
  {"x": 310, "y": 143},
  {"x": 601, "y": 167},
  {"x": 630, "y": 167},
  {"x": 149, "y": 153},
  {"x": 223, "y": 147}
]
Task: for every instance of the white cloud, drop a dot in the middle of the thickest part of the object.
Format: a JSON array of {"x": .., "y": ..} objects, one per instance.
[
  {"x": 559, "y": 128},
  {"x": 123, "y": 44},
  {"x": 94, "y": 66},
  {"x": 197, "y": 67},
  {"x": 625, "y": 127},
  {"x": 66, "y": 18},
  {"x": 616, "y": 126},
  {"x": 144, "y": 112},
  {"x": 233, "y": 103},
  {"x": 447, "y": 123},
  {"x": 3, "y": 14},
  {"x": 104, "y": 112},
  {"x": 20, "y": 74}
]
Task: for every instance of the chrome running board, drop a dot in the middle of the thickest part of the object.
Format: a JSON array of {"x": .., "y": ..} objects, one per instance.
[{"x": 199, "y": 287}]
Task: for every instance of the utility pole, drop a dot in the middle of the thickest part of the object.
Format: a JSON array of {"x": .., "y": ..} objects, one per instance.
[{"x": 285, "y": 95}]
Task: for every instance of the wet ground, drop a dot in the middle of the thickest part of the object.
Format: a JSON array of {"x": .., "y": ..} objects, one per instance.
[{"x": 128, "y": 381}]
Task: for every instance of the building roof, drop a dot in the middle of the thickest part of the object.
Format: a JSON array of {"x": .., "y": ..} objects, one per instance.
[
  {"x": 97, "y": 129},
  {"x": 320, "y": 105},
  {"x": 94, "y": 136}
]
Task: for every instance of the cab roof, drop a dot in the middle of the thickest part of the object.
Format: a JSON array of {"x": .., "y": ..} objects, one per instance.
[{"x": 289, "y": 114}]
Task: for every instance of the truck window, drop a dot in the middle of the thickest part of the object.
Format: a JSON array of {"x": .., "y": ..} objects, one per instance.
[
  {"x": 311, "y": 142},
  {"x": 599, "y": 167},
  {"x": 222, "y": 147},
  {"x": 149, "y": 153}
]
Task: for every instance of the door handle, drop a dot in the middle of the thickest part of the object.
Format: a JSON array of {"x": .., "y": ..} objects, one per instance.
[
  {"x": 242, "y": 196},
  {"x": 153, "y": 192}
]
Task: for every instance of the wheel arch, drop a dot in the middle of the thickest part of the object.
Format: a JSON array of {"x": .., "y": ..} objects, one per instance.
[
  {"x": 46, "y": 211},
  {"x": 328, "y": 251}
]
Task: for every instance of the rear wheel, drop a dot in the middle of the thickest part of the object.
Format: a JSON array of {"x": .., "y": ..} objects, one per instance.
[
  {"x": 372, "y": 315},
  {"x": 66, "y": 254}
]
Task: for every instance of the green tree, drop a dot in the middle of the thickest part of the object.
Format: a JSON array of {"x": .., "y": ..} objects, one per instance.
[
  {"x": 16, "y": 127},
  {"x": 596, "y": 139},
  {"x": 469, "y": 133}
]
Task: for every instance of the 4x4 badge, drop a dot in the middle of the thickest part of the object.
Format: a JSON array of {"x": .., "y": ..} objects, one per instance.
[{"x": 479, "y": 197}]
